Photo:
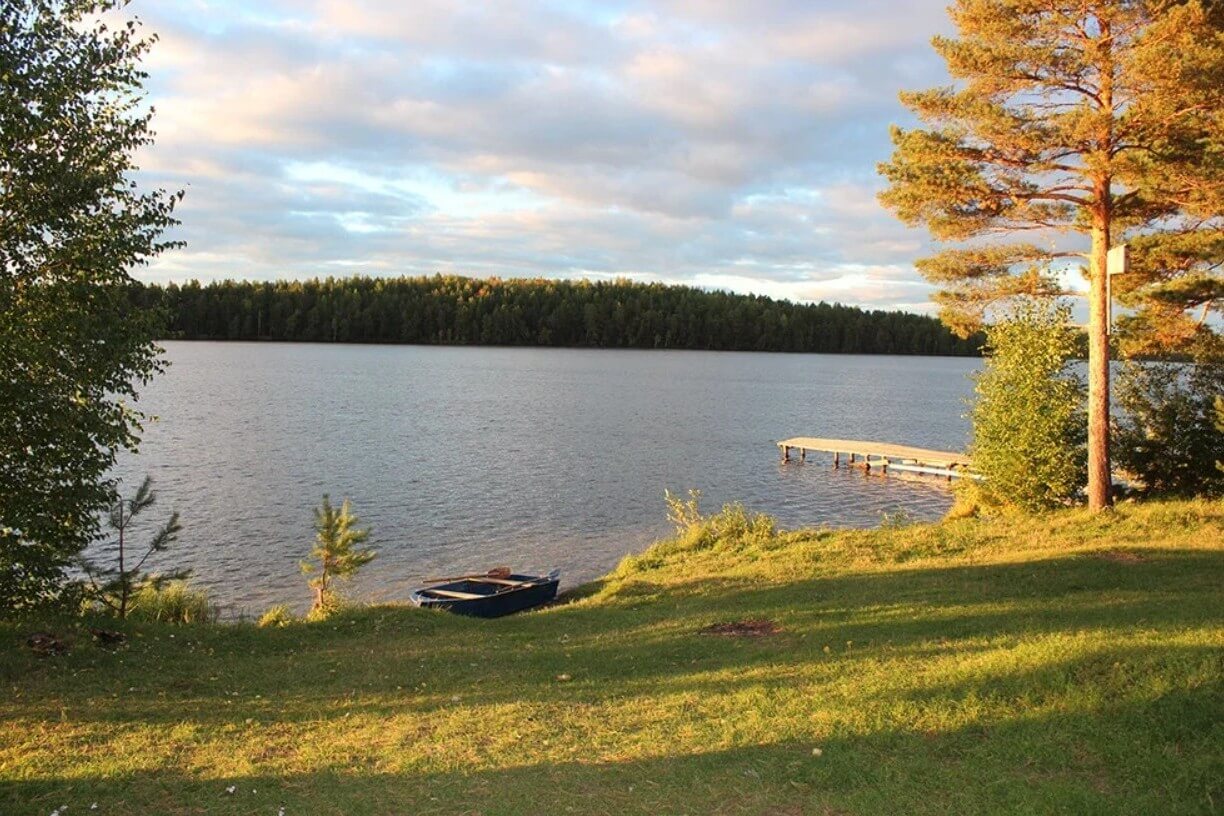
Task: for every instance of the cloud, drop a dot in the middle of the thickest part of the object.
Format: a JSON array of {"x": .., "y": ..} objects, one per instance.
[{"x": 697, "y": 141}]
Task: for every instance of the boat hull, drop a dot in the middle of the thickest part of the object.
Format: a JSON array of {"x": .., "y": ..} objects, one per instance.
[{"x": 538, "y": 590}]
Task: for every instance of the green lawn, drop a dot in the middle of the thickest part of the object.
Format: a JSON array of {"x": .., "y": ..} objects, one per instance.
[{"x": 1067, "y": 664}]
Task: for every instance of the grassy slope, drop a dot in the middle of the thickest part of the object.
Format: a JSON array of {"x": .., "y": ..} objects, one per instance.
[{"x": 1062, "y": 665}]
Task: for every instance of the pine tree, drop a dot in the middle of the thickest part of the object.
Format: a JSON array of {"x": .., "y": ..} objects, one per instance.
[
  {"x": 115, "y": 585},
  {"x": 336, "y": 542},
  {"x": 1098, "y": 120}
]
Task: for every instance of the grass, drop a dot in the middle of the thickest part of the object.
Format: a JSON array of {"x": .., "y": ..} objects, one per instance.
[
  {"x": 173, "y": 602},
  {"x": 1064, "y": 664}
]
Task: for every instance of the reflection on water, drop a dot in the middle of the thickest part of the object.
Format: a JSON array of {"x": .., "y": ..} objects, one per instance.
[{"x": 464, "y": 458}]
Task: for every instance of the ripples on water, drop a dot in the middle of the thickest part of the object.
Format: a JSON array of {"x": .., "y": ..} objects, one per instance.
[{"x": 465, "y": 458}]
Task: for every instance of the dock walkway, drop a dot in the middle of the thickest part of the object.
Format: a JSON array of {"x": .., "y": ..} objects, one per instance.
[{"x": 880, "y": 455}]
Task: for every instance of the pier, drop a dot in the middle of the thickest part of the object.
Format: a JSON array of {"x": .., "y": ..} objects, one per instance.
[{"x": 881, "y": 456}]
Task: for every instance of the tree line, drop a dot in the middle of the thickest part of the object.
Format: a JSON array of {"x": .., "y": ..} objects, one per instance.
[{"x": 454, "y": 310}]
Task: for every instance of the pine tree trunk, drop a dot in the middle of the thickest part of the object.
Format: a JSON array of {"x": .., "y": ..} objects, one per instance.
[{"x": 1099, "y": 479}]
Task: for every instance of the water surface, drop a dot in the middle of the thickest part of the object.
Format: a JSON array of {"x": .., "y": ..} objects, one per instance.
[{"x": 466, "y": 458}]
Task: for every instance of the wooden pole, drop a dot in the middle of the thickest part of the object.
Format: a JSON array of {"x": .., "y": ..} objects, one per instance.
[{"x": 836, "y": 459}]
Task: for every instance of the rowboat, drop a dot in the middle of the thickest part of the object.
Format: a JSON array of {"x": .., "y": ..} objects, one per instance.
[{"x": 491, "y": 595}]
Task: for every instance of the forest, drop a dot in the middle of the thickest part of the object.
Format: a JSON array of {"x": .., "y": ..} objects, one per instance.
[{"x": 454, "y": 310}]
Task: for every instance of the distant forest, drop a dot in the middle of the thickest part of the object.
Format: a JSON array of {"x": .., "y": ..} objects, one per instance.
[{"x": 452, "y": 310}]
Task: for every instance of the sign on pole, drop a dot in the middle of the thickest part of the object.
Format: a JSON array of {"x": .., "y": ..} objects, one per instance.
[{"x": 1117, "y": 262}]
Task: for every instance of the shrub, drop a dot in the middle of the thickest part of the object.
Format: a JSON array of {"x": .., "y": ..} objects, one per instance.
[
  {"x": 1029, "y": 424},
  {"x": 683, "y": 513},
  {"x": 333, "y": 603},
  {"x": 173, "y": 602},
  {"x": 279, "y": 615},
  {"x": 732, "y": 530},
  {"x": 1219, "y": 424},
  {"x": 1166, "y": 435}
]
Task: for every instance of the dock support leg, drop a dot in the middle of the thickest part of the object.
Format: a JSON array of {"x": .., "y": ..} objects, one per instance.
[
  {"x": 785, "y": 453},
  {"x": 803, "y": 454},
  {"x": 836, "y": 459}
]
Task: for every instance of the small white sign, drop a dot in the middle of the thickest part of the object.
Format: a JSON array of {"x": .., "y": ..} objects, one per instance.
[{"x": 1117, "y": 262}]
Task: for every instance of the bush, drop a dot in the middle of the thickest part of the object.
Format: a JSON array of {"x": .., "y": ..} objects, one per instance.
[
  {"x": 333, "y": 603},
  {"x": 173, "y": 602},
  {"x": 1219, "y": 425},
  {"x": 732, "y": 530},
  {"x": 1166, "y": 435},
  {"x": 1029, "y": 424},
  {"x": 278, "y": 616}
]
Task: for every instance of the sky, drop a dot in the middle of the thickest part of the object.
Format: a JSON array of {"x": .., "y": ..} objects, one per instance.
[{"x": 717, "y": 143}]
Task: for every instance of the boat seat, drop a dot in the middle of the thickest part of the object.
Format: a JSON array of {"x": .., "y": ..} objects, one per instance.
[{"x": 463, "y": 596}]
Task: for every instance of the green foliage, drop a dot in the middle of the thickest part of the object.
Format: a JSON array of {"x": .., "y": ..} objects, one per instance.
[
  {"x": 1029, "y": 426},
  {"x": 277, "y": 616},
  {"x": 896, "y": 519},
  {"x": 1102, "y": 118},
  {"x": 73, "y": 347},
  {"x": 337, "y": 552},
  {"x": 685, "y": 514},
  {"x": 173, "y": 602},
  {"x": 115, "y": 584},
  {"x": 1168, "y": 436},
  {"x": 454, "y": 310},
  {"x": 733, "y": 531},
  {"x": 1219, "y": 424}
]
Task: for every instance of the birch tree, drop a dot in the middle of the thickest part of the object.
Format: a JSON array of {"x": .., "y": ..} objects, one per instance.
[{"x": 73, "y": 224}]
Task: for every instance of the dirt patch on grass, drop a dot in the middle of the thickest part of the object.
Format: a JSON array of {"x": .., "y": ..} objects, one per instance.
[
  {"x": 753, "y": 627},
  {"x": 1123, "y": 557}
]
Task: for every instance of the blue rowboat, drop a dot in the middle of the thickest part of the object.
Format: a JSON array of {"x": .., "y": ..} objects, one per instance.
[{"x": 486, "y": 596}]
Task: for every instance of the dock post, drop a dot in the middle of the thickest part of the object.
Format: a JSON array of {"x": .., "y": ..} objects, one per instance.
[
  {"x": 803, "y": 454},
  {"x": 836, "y": 459},
  {"x": 785, "y": 453}
]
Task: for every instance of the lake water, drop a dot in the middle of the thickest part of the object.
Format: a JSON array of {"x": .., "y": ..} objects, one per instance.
[{"x": 467, "y": 458}]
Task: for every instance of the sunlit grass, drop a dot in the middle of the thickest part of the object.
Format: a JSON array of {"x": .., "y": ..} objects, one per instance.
[{"x": 1068, "y": 664}]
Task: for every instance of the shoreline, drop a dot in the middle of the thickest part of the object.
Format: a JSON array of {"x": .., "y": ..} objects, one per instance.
[{"x": 377, "y": 343}]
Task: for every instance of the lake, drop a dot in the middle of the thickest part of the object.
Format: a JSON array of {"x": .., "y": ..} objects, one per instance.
[{"x": 466, "y": 458}]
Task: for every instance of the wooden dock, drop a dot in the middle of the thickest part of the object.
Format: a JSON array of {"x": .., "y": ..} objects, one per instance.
[{"x": 880, "y": 455}]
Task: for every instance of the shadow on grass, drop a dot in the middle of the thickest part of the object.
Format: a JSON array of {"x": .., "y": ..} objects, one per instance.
[
  {"x": 390, "y": 661},
  {"x": 1161, "y": 756}
]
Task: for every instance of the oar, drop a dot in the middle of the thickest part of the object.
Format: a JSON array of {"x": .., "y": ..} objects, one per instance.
[{"x": 496, "y": 572}]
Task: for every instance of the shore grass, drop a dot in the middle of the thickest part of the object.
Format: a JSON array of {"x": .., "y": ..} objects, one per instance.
[{"x": 1061, "y": 664}]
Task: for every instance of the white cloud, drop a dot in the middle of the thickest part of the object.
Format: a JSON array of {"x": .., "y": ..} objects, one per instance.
[{"x": 717, "y": 143}]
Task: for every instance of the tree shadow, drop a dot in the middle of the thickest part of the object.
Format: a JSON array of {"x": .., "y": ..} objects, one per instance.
[
  {"x": 1062, "y": 762},
  {"x": 393, "y": 661}
]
